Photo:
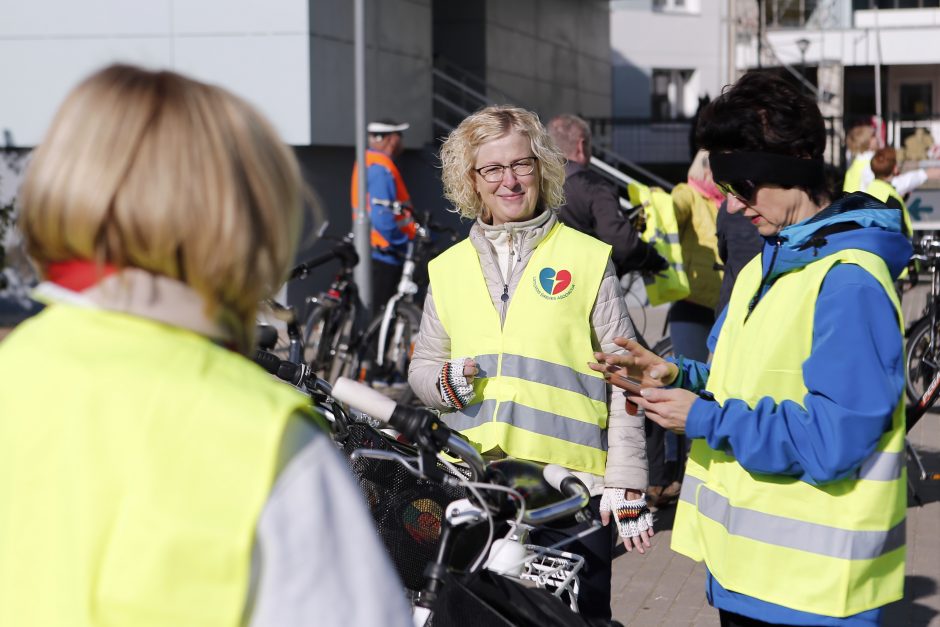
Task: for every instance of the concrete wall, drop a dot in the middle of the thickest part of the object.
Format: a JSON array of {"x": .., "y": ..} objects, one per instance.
[
  {"x": 398, "y": 64},
  {"x": 550, "y": 55},
  {"x": 46, "y": 46},
  {"x": 642, "y": 39},
  {"x": 291, "y": 58}
]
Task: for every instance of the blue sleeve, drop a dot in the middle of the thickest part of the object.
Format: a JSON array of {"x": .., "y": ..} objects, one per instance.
[
  {"x": 381, "y": 186},
  {"x": 693, "y": 375},
  {"x": 854, "y": 377}
]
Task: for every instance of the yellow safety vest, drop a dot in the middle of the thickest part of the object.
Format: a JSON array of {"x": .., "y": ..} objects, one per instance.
[
  {"x": 835, "y": 549},
  {"x": 135, "y": 460},
  {"x": 853, "y": 176},
  {"x": 882, "y": 190},
  {"x": 662, "y": 232},
  {"x": 535, "y": 397}
]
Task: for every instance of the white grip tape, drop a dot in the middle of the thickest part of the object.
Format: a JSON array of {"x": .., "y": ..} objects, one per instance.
[
  {"x": 363, "y": 398},
  {"x": 554, "y": 475}
]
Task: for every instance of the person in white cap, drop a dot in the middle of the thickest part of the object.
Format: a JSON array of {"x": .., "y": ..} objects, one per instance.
[{"x": 389, "y": 205}]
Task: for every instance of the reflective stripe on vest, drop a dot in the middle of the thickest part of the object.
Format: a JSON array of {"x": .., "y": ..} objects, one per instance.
[
  {"x": 853, "y": 176},
  {"x": 883, "y": 190},
  {"x": 662, "y": 232},
  {"x": 846, "y": 544},
  {"x": 142, "y": 509},
  {"x": 405, "y": 221},
  {"x": 761, "y": 535},
  {"x": 535, "y": 398}
]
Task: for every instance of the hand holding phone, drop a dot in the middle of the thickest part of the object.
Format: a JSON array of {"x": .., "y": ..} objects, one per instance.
[{"x": 631, "y": 387}]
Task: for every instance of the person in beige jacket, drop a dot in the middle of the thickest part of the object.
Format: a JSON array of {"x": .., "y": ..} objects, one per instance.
[{"x": 501, "y": 169}]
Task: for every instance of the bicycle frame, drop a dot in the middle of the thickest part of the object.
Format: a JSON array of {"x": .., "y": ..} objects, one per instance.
[{"x": 407, "y": 288}]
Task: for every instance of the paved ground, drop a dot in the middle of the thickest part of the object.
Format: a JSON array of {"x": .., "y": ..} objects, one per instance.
[{"x": 665, "y": 588}]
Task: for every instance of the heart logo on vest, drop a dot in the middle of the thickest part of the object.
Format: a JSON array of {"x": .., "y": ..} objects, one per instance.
[{"x": 555, "y": 283}]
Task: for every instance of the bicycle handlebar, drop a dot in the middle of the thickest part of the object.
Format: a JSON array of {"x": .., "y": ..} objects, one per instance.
[
  {"x": 418, "y": 425},
  {"x": 343, "y": 250},
  {"x": 430, "y": 433}
]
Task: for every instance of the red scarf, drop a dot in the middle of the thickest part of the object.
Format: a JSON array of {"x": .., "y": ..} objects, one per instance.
[
  {"x": 708, "y": 189},
  {"x": 78, "y": 274}
]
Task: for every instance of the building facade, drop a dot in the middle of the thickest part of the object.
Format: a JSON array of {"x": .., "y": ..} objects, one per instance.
[{"x": 294, "y": 60}]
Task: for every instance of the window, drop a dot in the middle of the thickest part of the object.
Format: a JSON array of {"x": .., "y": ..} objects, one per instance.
[
  {"x": 676, "y": 6},
  {"x": 670, "y": 97},
  {"x": 916, "y": 99}
]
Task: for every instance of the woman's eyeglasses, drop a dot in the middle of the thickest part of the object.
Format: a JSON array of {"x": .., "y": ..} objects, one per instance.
[
  {"x": 494, "y": 173},
  {"x": 744, "y": 189}
]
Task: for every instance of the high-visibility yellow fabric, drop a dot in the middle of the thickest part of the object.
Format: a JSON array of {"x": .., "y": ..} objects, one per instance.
[
  {"x": 883, "y": 190},
  {"x": 662, "y": 232},
  {"x": 135, "y": 460},
  {"x": 696, "y": 216},
  {"x": 835, "y": 549},
  {"x": 853, "y": 175},
  {"x": 535, "y": 397}
]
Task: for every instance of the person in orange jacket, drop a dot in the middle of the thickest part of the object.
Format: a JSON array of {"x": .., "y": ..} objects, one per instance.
[{"x": 389, "y": 206}]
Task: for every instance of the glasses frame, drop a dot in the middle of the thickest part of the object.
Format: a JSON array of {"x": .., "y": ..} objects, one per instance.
[
  {"x": 744, "y": 189},
  {"x": 511, "y": 166}
]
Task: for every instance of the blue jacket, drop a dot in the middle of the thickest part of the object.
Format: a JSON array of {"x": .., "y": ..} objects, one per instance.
[
  {"x": 380, "y": 185},
  {"x": 846, "y": 409}
]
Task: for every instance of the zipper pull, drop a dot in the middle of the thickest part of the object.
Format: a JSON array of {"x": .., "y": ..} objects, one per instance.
[{"x": 505, "y": 295}]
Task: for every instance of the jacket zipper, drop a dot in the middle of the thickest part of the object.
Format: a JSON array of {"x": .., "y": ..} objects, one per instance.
[{"x": 514, "y": 251}]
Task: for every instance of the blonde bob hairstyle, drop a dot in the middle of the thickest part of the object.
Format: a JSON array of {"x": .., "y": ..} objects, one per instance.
[
  {"x": 156, "y": 171},
  {"x": 699, "y": 168},
  {"x": 459, "y": 152}
]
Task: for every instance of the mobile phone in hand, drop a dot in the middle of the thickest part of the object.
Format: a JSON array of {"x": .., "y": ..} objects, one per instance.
[{"x": 631, "y": 387}]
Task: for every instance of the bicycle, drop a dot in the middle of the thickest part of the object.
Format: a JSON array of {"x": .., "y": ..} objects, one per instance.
[
  {"x": 477, "y": 595},
  {"x": 923, "y": 349},
  {"x": 922, "y": 381},
  {"x": 387, "y": 344},
  {"x": 332, "y": 318},
  {"x": 426, "y": 510},
  {"x": 307, "y": 339}
]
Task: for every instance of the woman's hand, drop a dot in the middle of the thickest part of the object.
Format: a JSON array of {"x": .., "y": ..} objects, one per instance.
[
  {"x": 639, "y": 368},
  {"x": 470, "y": 370},
  {"x": 667, "y": 408},
  {"x": 628, "y": 509}
]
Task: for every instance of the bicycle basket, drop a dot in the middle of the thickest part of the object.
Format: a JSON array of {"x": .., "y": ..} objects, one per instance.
[{"x": 408, "y": 512}]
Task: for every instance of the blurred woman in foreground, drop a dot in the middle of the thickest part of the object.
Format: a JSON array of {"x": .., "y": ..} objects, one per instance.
[{"x": 150, "y": 474}]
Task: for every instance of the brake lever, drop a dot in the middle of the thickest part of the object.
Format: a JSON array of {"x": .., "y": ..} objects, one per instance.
[{"x": 390, "y": 456}]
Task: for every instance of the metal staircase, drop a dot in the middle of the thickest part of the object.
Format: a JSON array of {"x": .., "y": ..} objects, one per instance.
[{"x": 458, "y": 93}]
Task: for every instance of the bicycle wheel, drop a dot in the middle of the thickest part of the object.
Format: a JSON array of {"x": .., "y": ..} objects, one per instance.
[
  {"x": 398, "y": 346},
  {"x": 322, "y": 337},
  {"x": 343, "y": 353},
  {"x": 313, "y": 334},
  {"x": 922, "y": 359}
]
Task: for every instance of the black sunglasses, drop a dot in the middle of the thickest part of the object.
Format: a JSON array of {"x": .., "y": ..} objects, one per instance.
[{"x": 744, "y": 189}]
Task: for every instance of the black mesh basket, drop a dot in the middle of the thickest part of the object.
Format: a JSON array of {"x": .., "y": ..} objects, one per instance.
[{"x": 408, "y": 511}]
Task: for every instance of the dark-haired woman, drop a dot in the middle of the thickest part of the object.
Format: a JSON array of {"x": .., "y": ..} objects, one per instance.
[{"x": 794, "y": 494}]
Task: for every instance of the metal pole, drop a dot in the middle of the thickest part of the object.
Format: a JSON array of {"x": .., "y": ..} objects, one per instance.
[
  {"x": 732, "y": 42},
  {"x": 878, "y": 112},
  {"x": 760, "y": 33},
  {"x": 362, "y": 227}
]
